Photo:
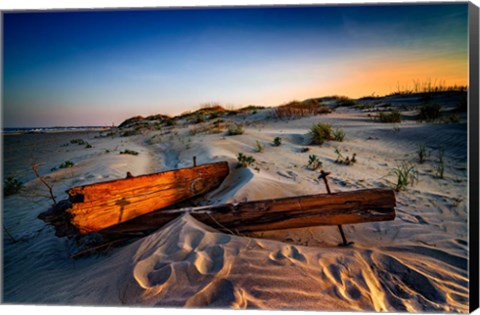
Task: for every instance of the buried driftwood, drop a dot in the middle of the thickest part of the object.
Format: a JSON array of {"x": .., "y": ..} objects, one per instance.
[
  {"x": 94, "y": 207},
  {"x": 350, "y": 207}
]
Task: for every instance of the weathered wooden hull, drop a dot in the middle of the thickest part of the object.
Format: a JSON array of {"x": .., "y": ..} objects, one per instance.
[
  {"x": 351, "y": 207},
  {"x": 101, "y": 205}
]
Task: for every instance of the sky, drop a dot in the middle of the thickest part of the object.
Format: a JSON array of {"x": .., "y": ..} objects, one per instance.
[{"x": 77, "y": 68}]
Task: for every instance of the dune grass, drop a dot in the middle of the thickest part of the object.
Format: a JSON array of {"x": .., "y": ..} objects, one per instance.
[
  {"x": 130, "y": 152},
  {"x": 313, "y": 162},
  {"x": 259, "y": 147},
  {"x": 235, "y": 129},
  {"x": 429, "y": 112},
  {"x": 296, "y": 109},
  {"x": 427, "y": 86},
  {"x": 320, "y": 133},
  {"x": 244, "y": 161},
  {"x": 406, "y": 174},
  {"x": 393, "y": 116},
  {"x": 11, "y": 186},
  {"x": 277, "y": 142}
]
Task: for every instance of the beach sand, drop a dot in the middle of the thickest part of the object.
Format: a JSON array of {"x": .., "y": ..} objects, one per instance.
[{"x": 418, "y": 262}]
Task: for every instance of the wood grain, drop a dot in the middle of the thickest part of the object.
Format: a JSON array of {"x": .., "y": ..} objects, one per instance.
[
  {"x": 351, "y": 207},
  {"x": 98, "y": 206}
]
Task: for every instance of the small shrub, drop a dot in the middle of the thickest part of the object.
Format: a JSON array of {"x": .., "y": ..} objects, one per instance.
[
  {"x": 406, "y": 174},
  {"x": 77, "y": 141},
  {"x": 131, "y": 152},
  {"x": 259, "y": 147},
  {"x": 344, "y": 101},
  {"x": 429, "y": 112},
  {"x": 313, "y": 162},
  {"x": 170, "y": 122},
  {"x": 197, "y": 118},
  {"x": 234, "y": 130},
  {"x": 339, "y": 135},
  {"x": 277, "y": 142},
  {"x": 453, "y": 118},
  {"x": 244, "y": 161},
  {"x": 364, "y": 106},
  {"x": 88, "y": 146},
  {"x": 129, "y": 133},
  {"x": 320, "y": 133},
  {"x": 393, "y": 116},
  {"x": 66, "y": 164},
  {"x": 11, "y": 186},
  {"x": 304, "y": 149}
]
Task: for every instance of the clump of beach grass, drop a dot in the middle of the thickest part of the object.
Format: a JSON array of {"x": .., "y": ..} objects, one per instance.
[
  {"x": 345, "y": 160},
  {"x": 406, "y": 174},
  {"x": 313, "y": 162},
  {"x": 439, "y": 168},
  {"x": 296, "y": 109},
  {"x": 244, "y": 161},
  {"x": 339, "y": 135},
  {"x": 422, "y": 153},
  {"x": 393, "y": 116},
  {"x": 235, "y": 129},
  {"x": 130, "y": 152},
  {"x": 11, "y": 186},
  {"x": 342, "y": 101},
  {"x": 67, "y": 164},
  {"x": 320, "y": 133},
  {"x": 277, "y": 142},
  {"x": 429, "y": 112},
  {"x": 259, "y": 147}
]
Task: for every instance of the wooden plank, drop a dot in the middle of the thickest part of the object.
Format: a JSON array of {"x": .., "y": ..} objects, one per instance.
[
  {"x": 98, "y": 206},
  {"x": 351, "y": 207}
]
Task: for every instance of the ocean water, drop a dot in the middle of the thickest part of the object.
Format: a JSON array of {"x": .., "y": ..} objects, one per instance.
[{"x": 50, "y": 129}]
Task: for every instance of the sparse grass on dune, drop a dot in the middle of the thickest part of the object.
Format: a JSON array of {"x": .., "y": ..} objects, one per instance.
[
  {"x": 422, "y": 153},
  {"x": 406, "y": 174},
  {"x": 217, "y": 126},
  {"x": 342, "y": 101},
  {"x": 427, "y": 86},
  {"x": 429, "y": 112},
  {"x": 296, "y": 109},
  {"x": 393, "y": 116}
]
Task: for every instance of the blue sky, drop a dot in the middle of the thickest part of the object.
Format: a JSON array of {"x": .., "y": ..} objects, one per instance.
[{"x": 101, "y": 67}]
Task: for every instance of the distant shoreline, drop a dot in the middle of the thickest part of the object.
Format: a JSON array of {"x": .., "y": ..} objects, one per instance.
[{"x": 43, "y": 130}]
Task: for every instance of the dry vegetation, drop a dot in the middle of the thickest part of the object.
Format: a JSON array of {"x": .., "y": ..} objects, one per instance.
[
  {"x": 296, "y": 109},
  {"x": 427, "y": 86}
]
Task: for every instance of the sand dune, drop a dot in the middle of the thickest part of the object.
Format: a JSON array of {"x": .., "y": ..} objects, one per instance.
[{"x": 418, "y": 262}]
